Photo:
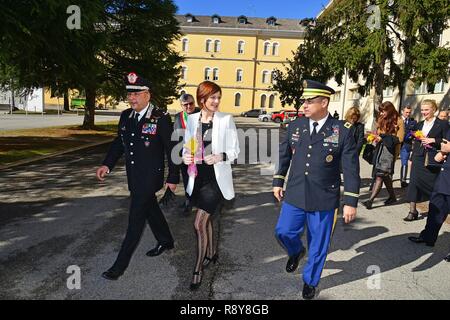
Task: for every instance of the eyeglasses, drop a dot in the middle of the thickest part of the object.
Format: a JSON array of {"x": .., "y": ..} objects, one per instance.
[
  {"x": 310, "y": 100},
  {"x": 188, "y": 104}
]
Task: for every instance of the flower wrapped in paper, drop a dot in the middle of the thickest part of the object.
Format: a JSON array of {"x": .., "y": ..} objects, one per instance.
[
  {"x": 418, "y": 135},
  {"x": 195, "y": 148}
]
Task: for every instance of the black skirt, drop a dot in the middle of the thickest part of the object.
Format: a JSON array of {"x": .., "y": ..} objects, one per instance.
[
  {"x": 421, "y": 181},
  {"x": 206, "y": 194}
]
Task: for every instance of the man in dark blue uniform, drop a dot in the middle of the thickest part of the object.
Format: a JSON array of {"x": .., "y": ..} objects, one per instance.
[
  {"x": 314, "y": 148},
  {"x": 406, "y": 149},
  {"x": 144, "y": 135},
  {"x": 439, "y": 205}
]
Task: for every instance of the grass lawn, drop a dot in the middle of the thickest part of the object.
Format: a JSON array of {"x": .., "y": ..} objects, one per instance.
[{"x": 24, "y": 144}]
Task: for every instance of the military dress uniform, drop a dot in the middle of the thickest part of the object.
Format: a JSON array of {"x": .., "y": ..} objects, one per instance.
[
  {"x": 144, "y": 143},
  {"x": 313, "y": 189}
]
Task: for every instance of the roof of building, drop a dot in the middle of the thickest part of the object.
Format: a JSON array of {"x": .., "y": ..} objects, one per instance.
[{"x": 270, "y": 23}]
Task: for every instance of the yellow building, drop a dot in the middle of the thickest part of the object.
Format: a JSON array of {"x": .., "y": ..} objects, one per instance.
[{"x": 239, "y": 54}]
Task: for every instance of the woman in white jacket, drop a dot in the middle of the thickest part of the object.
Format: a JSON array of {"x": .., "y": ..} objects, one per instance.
[{"x": 211, "y": 144}]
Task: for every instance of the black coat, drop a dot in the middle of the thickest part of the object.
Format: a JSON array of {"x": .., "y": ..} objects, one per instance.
[
  {"x": 314, "y": 178},
  {"x": 144, "y": 147},
  {"x": 442, "y": 184},
  {"x": 358, "y": 133},
  {"x": 438, "y": 131}
]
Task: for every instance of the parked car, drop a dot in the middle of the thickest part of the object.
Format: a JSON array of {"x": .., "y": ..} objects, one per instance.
[
  {"x": 265, "y": 117},
  {"x": 254, "y": 113},
  {"x": 286, "y": 114}
]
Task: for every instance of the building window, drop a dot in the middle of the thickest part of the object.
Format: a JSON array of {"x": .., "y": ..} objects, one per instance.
[
  {"x": 271, "y": 21},
  {"x": 241, "y": 47},
  {"x": 242, "y": 19},
  {"x": 271, "y": 100},
  {"x": 421, "y": 89},
  {"x": 216, "y": 20},
  {"x": 239, "y": 75},
  {"x": 336, "y": 97},
  {"x": 263, "y": 101},
  {"x": 185, "y": 45},
  {"x": 273, "y": 75},
  {"x": 440, "y": 87},
  {"x": 388, "y": 92},
  {"x": 215, "y": 74},
  {"x": 275, "y": 47},
  {"x": 265, "y": 76},
  {"x": 184, "y": 73},
  {"x": 208, "y": 45},
  {"x": 217, "y": 46},
  {"x": 237, "y": 100},
  {"x": 266, "y": 48},
  {"x": 207, "y": 73},
  {"x": 354, "y": 94}
]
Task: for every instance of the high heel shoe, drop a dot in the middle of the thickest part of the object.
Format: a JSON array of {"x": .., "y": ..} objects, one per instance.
[
  {"x": 196, "y": 284},
  {"x": 368, "y": 204},
  {"x": 412, "y": 216},
  {"x": 207, "y": 260}
]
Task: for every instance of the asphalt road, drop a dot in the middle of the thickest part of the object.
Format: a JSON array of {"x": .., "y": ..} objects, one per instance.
[{"x": 54, "y": 214}]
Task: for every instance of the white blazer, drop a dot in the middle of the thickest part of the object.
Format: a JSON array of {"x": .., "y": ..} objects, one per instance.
[{"x": 224, "y": 139}]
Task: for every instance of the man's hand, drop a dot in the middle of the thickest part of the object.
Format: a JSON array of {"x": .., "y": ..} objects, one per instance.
[
  {"x": 440, "y": 157},
  {"x": 102, "y": 172},
  {"x": 213, "y": 158},
  {"x": 278, "y": 193},
  {"x": 427, "y": 141},
  {"x": 445, "y": 146},
  {"x": 349, "y": 214},
  {"x": 171, "y": 186}
]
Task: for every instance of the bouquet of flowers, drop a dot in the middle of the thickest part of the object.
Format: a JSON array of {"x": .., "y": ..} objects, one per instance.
[
  {"x": 418, "y": 135},
  {"x": 371, "y": 137},
  {"x": 196, "y": 150}
]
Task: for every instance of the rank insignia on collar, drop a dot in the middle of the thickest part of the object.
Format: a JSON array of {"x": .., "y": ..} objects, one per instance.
[
  {"x": 347, "y": 125},
  {"x": 329, "y": 158}
]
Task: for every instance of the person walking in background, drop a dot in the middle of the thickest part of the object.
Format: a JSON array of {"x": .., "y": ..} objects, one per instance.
[
  {"x": 336, "y": 115},
  {"x": 187, "y": 103},
  {"x": 424, "y": 170},
  {"x": 353, "y": 115},
  {"x": 211, "y": 144},
  {"x": 405, "y": 151},
  {"x": 389, "y": 135}
]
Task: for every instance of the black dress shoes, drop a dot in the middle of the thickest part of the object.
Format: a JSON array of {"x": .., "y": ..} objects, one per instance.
[
  {"x": 368, "y": 204},
  {"x": 158, "y": 250},
  {"x": 412, "y": 216},
  {"x": 419, "y": 239},
  {"x": 404, "y": 184},
  {"x": 293, "y": 261},
  {"x": 390, "y": 201},
  {"x": 208, "y": 260},
  {"x": 309, "y": 292},
  {"x": 111, "y": 274},
  {"x": 447, "y": 258}
]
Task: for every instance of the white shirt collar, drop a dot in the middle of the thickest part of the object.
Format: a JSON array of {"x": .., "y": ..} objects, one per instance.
[
  {"x": 320, "y": 122},
  {"x": 142, "y": 112}
]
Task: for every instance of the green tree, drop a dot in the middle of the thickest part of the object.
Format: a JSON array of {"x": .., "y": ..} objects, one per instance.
[
  {"x": 115, "y": 37},
  {"x": 379, "y": 43}
]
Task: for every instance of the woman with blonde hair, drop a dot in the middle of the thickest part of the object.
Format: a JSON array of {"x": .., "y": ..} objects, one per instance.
[
  {"x": 424, "y": 170},
  {"x": 390, "y": 134},
  {"x": 211, "y": 144},
  {"x": 353, "y": 115}
]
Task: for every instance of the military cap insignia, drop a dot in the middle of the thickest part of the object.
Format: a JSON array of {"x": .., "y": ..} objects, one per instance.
[
  {"x": 329, "y": 158},
  {"x": 347, "y": 125},
  {"x": 305, "y": 84},
  {"x": 132, "y": 77}
]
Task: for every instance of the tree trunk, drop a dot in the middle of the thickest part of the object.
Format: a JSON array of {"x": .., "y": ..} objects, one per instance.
[
  {"x": 66, "y": 101},
  {"x": 379, "y": 86},
  {"x": 89, "y": 109}
]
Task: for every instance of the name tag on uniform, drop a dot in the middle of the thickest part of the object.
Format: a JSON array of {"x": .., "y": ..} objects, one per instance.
[{"x": 149, "y": 128}]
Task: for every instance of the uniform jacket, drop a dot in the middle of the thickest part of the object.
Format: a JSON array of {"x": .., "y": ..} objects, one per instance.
[
  {"x": 314, "y": 178},
  {"x": 224, "y": 140},
  {"x": 410, "y": 123},
  {"x": 442, "y": 184},
  {"x": 144, "y": 148}
]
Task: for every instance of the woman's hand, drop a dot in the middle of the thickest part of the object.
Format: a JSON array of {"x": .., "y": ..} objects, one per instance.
[
  {"x": 188, "y": 159},
  {"x": 427, "y": 141},
  {"x": 440, "y": 157},
  {"x": 213, "y": 159}
]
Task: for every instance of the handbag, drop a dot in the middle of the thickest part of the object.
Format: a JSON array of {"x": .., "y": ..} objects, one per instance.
[{"x": 368, "y": 152}]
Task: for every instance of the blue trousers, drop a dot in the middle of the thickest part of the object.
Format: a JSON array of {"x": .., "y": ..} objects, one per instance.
[
  {"x": 290, "y": 228},
  {"x": 404, "y": 154}
]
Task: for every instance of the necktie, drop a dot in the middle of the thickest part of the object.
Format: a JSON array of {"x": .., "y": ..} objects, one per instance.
[
  {"x": 136, "y": 119},
  {"x": 314, "y": 132}
]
